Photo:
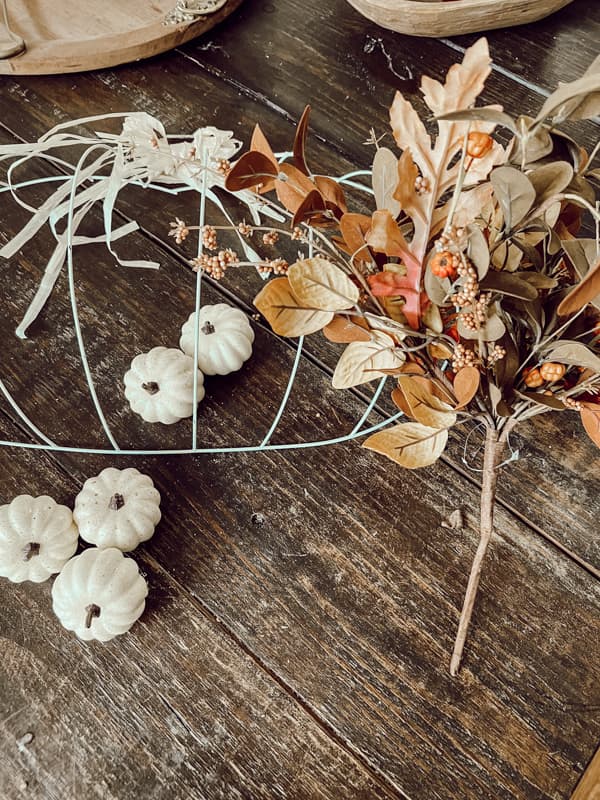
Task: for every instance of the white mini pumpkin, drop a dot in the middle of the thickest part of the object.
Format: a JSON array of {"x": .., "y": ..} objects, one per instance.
[
  {"x": 226, "y": 339},
  {"x": 37, "y": 538},
  {"x": 118, "y": 508},
  {"x": 160, "y": 385},
  {"x": 99, "y": 594}
]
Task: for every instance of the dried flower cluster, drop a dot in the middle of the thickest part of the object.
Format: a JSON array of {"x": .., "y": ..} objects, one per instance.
[{"x": 469, "y": 283}]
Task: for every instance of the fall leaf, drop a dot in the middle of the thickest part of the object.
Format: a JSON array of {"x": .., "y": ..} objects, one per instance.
[
  {"x": 466, "y": 384},
  {"x": 385, "y": 166},
  {"x": 362, "y": 362},
  {"x": 253, "y": 170},
  {"x": 343, "y": 330},
  {"x": 586, "y": 291},
  {"x": 299, "y": 148},
  {"x": 282, "y": 310},
  {"x": 590, "y": 417},
  {"x": 411, "y": 444},
  {"x": 354, "y": 227},
  {"x": 317, "y": 283},
  {"x": 421, "y": 404}
]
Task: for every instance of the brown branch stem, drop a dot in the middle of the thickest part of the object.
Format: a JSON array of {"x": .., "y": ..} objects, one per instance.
[{"x": 494, "y": 448}]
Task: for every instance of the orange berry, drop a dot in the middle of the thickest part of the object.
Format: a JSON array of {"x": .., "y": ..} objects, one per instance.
[
  {"x": 533, "y": 378},
  {"x": 444, "y": 265},
  {"x": 479, "y": 144},
  {"x": 552, "y": 372}
]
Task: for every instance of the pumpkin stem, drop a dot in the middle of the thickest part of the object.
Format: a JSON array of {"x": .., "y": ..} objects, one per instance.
[
  {"x": 494, "y": 448},
  {"x": 208, "y": 328},
  {"x": 151, "y": 387},
  {"x": 91, "y": 611},
  {"x": 117, "y": 501},
  {"x": 30, "y": 550}
]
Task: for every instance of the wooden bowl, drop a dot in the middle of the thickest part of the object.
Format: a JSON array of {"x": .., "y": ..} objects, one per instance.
[
  {"x": 79, "y": 35},
  {"x": 427, "y": 18}
]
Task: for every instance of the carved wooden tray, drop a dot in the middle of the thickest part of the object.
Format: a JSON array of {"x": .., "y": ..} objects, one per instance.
[
  {"x": 427, "y": 18},
  {"x": 78, "y": 35}
]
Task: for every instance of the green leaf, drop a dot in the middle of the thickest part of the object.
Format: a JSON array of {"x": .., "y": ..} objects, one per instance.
[
  {"x": 509, "y": 283},
  {"x": 515, "y": 193},
  {"x": 550, "y": 179},
  {"x": 482, "y": 114},
  {"x": 575, "y": 353}
]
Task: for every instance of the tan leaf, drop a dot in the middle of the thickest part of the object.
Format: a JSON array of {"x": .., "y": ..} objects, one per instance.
[
  {"x": 317, "y": 283},
  {"x": 343, "y": 330},
  {"x": 354, "y": 227},
  {"x": 385, "y": 165},
  {"x": 586, "y": 291},
  {"x": 409, "y": 132},
  {"x": 466, "y": 384},
  {"x": 362, "y": 362},
  {"x": 421, "y": 404},
  {"x": 281, "y": 308},
  {"x": 464, "y": 82},
  {"x": 590, "y": 417},
  {"x": 411, "y": 444}
]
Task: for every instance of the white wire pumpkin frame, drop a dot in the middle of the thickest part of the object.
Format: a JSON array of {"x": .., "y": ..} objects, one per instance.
[{"x": 142, "y": 173}]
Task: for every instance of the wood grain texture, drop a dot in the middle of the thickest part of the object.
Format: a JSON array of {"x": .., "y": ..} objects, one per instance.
[
  {"x": 323, "y": 578},
  {"x": 173, "y": 709},
  {"x": 428, "y": 18},
  {"x": 345, "y": 589},
  {"x": 63, "y": 37},
  {"x": 171, "y": 88}
]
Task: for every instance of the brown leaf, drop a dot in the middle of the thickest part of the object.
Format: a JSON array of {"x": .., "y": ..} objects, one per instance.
[
  {"x": 292, "y": 191},
  {"x": 585, "y": 292},
  {"x": 253, "y": 170},
  {"x": 300, "y": 142},
  {"x": 333, "y": 194},
  {"x": 590, "y": 417},
  {"x": 405, "y": 193},
  {"x": 344, "y": 331},
  {"x": 312, "y": 209},
  {"x": 354, "y": 227},
  {"x": 260, "y": 144},
  {"x": 466, "y": 384}
]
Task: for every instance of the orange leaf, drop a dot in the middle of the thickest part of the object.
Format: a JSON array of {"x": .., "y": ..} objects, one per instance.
[
  {"x": 343, "y": 330},
  {"x": 312, "y": 209},
  {"x": 590, "y": 417},
  {"x": 300, "y": 142},
  {"x": 292, "y": 191},
  {"x": 466, "y": 384},
  {"x": 353, "y": 228}
]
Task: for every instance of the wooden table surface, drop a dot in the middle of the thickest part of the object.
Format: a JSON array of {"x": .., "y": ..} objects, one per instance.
[{"x": 302, "y": 604}]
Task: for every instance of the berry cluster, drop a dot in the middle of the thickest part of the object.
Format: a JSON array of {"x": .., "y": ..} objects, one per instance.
[
  {"x": 179, "y": 230},
  {"x": 215, "y": 266},
  {"x": 278, "y": 266},
  {"x": 270, "y": 238},
  {"x": 463, "y": 357},
  {"x": 209, "y": 237},
  {"x": 422, "y": 185}
]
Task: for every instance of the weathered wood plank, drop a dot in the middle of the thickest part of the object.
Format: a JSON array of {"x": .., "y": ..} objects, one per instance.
[
  {"x": 331, "y": 567},
  {"x": 541, "y": 484},
  {"x": 558, "y": 48},
  {"x": 173, "y": 709}
]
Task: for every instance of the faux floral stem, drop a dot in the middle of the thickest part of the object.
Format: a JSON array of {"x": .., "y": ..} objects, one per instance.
[{"x": 494, "y": 448}]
